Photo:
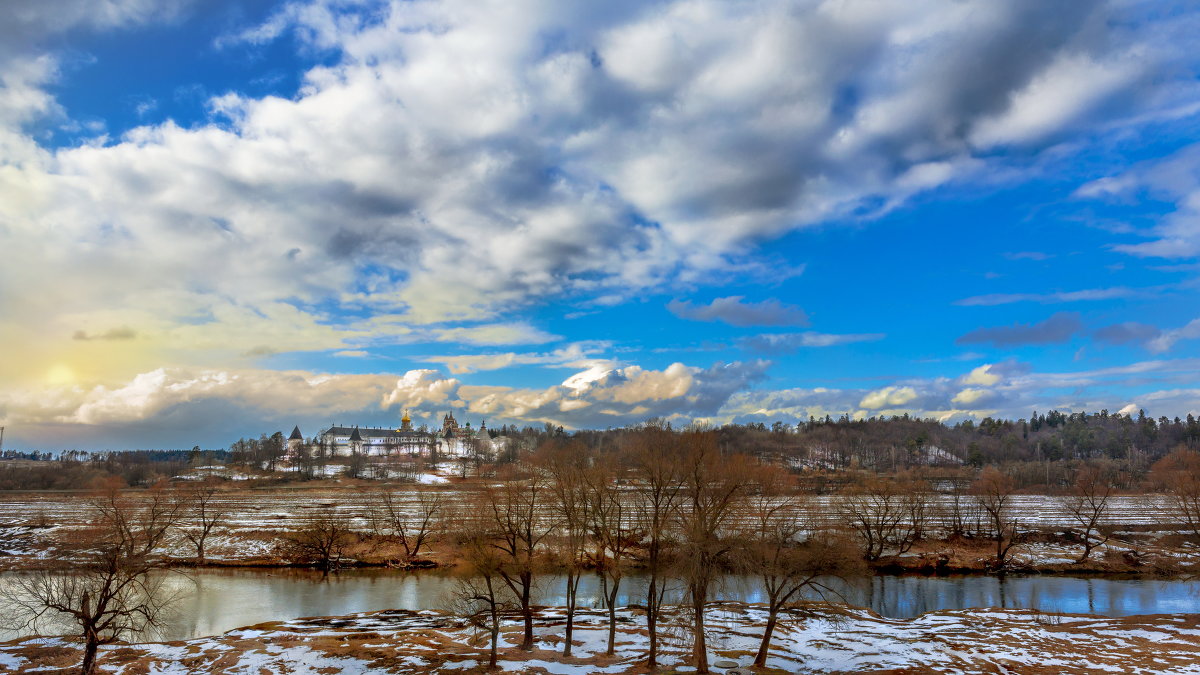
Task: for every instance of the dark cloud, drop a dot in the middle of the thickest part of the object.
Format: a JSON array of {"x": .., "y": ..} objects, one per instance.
[
  {"x": 732, "y": 310},
  {"x": 1057, "y": 329},
  {"x": 122, "y": 333},
  {"x": 261, "y": 350},
  {"x": 1129, "y": 332},
  {"x": 1010, "y": 368}
]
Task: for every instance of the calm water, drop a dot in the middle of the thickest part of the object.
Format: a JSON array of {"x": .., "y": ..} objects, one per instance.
[{"x": 215, "y": 601}]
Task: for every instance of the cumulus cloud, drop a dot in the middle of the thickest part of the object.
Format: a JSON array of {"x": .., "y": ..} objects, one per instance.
[
  {"x": 973, "y": 398},
  {"x": 1057, "y": 329},
  {"x": 1066, "y": 88},
  {"x": 219, "y": 405},
  {"x": 1010, "y": 389},
  {"x": 182, "y": 406},
  {"x": 450, "y": 164},
  {"x": 888, "y": 397},
  {"x": 734, "y": 311},
  {"x": 602, "y": 397},
  {"x": 476, "y": 162},
  {"x": 982, "y": 375}
]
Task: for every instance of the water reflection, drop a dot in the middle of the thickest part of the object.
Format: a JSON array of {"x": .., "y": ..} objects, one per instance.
[{"x": 215, "y": 601}]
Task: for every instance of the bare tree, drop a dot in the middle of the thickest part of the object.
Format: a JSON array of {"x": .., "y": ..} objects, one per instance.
[
  {"x": 1179, "y": 473},
  {"x": 777, "y": 521},
  {"x": 206, "y": 509},
  {"x": 566, "y": 467},
  {"x": 1088, "y": 504},
  {"x": 656, "y": 455},
  {"x": 305, "y": 461},
  {"x": 356, "y": 465},
  {"x": 480, "y": 593},
  {"x": 961, "y": 515},
  {"x": 516, "y": 510},
  {"x": 714, "y": 488},
  {"x": 412, "y": 525},
  {"x": 613, "y": 533},
  {"x": 323, "y": 540},
  {"x": 885, "y": 513},
  {"x": 110, "y": 593},
  {"x": 993, "y": 491}
]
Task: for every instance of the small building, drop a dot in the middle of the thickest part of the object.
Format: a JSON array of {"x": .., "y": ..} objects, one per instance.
[{"x": 295, "y": 441}]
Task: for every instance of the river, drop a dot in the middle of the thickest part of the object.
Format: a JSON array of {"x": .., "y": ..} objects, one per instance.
[{"x": 213, "y": 601}]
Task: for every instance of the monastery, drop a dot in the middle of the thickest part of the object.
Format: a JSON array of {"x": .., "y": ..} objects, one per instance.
[{"x": 451, "y": 440}]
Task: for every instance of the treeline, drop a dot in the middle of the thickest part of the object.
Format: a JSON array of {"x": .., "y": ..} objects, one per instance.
[
  {"x": 898, "y": 443},
  {"x": 895, "y": 443},
  {"x": 881, "y": 444},
  {"x": 76, "y": 469}
]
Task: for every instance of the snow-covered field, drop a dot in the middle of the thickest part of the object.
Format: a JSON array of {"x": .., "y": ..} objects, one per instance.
[
  {"x": 258, "y": 518},
  {"x": 823, "y": 639}
]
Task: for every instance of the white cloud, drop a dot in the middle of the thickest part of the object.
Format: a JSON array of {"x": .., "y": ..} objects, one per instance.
[
  {"x": 573, "y": 355},
  {"x": 182, "y": 406},
  {"x": 1174, "y": 179},
  {"x": 1085, "y": 295},
  {"x": 1168, "y": 338},
  {"x": 452, "y": 164},
  {"x": 602, "y": 397},
  {"x": 779, "y": 343},
  {"x": 455, "y": 165},
  {"x": 888, "y": 397},
  {"x": 982, "y": 376},
  {"x": 1070, "y": 85},
  {"x": 222, "y": 404},
  {"x": 420, "y": 387},
  {"x": 969, "y": 397}
]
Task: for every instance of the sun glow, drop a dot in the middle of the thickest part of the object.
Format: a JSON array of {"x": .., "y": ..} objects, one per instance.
[{"x": 60, "y": 374}]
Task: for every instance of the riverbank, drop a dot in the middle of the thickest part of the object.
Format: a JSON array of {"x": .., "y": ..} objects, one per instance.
[
  {"x": 35, "y": 528},
  {"x": 1147, "y": 554},
  {"x": 820, "y": 638}
]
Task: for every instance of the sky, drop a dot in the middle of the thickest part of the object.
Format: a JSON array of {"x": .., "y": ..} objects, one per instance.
[{"x": 220, "y": 218}]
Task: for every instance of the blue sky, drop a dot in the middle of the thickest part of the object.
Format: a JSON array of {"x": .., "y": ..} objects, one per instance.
[{"x": 220, "y": 219}]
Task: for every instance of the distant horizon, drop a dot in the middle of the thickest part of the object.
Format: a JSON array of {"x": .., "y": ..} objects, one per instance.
[
  {"x": 308, "y": 436},
  {"x": 223, "y": 216}
]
